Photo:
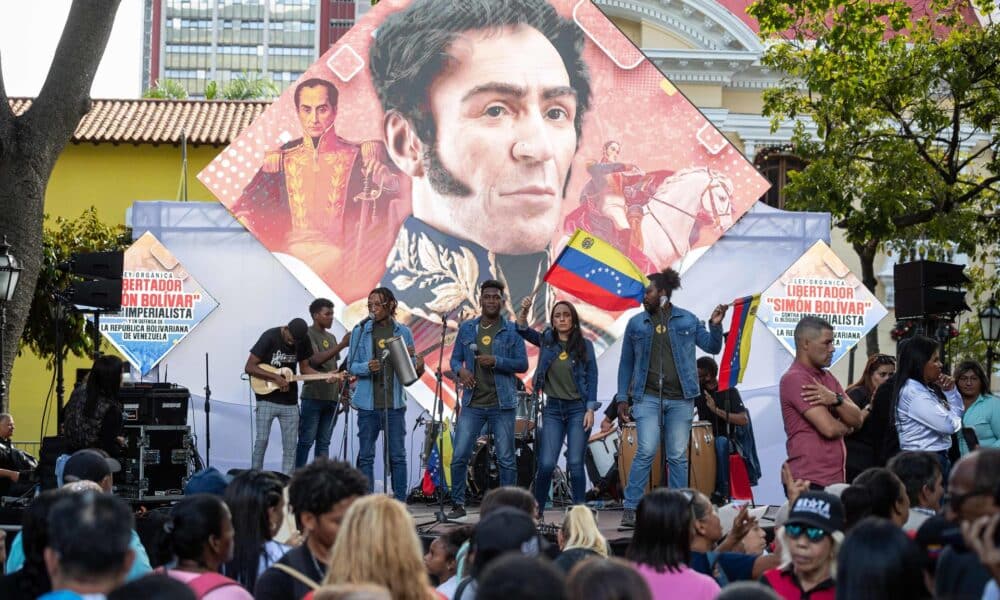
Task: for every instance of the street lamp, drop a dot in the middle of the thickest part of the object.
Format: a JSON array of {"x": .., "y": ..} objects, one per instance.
[
  {"x": 989, "y": 324},
  {"x": 10, "y": 272}
]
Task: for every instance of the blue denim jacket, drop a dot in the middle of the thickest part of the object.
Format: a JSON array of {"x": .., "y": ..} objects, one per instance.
[
  {"x": 685, "y": 331},
  {"x": 584, "y": 372},
  {"x": 508, "y": 348},
  {"x": 360, "y": 353}
]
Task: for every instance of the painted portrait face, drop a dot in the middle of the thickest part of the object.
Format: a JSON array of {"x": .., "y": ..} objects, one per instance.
[
  {"x": 504, "y": 113},
  {"x": 316, "y": 113}
]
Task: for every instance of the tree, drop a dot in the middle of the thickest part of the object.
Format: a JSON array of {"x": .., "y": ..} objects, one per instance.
[
  {"x": 86, "y": 233},
  {"x": 166, "y": 89},
  {"x": 31, "y": 143},
  {"x": 907, "y": 110},
  {"x": 249, "y": 87}
]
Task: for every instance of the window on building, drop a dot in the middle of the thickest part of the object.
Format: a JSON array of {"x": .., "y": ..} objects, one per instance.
[{"x": 775, "y": 163}]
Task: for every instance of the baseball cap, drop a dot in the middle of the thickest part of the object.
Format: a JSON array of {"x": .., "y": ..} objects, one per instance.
[
  {"x": 506, "y": 529},
  {"x": 298, "y": 328},
  {"x": 89, "y": 465},
  {"x": 817, "y": 509},
  {"x": 206, "y": 481}
]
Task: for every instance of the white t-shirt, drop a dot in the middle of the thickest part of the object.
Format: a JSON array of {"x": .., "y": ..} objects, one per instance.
[{"x": 448, "y": 588}]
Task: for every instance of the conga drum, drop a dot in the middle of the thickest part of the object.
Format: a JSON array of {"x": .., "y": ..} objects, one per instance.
[
  {"x": 628, "y": 444},
  {"x": 701, "y": 458}
]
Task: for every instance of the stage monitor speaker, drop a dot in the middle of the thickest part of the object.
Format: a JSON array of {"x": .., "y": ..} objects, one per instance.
[
  {"x": 103, "y": 294},
  {"x": 102, "y": 265},
  {"x": 924, "y": 288}
]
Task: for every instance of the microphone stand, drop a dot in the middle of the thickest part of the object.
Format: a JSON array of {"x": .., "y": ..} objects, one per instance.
[
  {"x": 386, "y": 399},
  {"x": 665, "y": 482},
  {"x": 438, "y": 414},
  {"x": 208, "y": 426}
]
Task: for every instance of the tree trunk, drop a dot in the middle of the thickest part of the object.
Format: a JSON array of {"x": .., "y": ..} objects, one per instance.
[
  {"x": 31, "y": 143},
  {"x": 867, "y": 253}
]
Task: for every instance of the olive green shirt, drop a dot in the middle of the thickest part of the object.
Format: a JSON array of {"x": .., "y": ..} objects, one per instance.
[
  {"x": 320, "y": 390},
  {"x": 661, "y": 356},
  {"x": 559, "y": 381},
  {"x": 485, "y": 394}
]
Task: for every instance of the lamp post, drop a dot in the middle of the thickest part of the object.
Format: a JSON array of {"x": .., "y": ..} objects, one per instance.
[
  {"x": 10, "y": 272},
  {"x": 989, "y": 324}
]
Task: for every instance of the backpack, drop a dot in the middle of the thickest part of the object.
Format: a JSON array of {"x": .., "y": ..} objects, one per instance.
[{"x": 80, "y": 430}]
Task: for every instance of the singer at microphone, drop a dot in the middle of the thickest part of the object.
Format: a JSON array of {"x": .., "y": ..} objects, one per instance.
[{"x": 378, "y": 397}]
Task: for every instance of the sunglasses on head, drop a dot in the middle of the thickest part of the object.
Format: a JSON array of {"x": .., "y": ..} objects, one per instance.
[
  {"x": 885, "y": 359},
  {"x": 814, "y": 534}
]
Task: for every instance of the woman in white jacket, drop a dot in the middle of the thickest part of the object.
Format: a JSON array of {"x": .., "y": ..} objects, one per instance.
[{"x": 928, "y": 406}]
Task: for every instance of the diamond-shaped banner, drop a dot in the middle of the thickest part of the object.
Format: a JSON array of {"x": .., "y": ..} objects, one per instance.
[
  {"x": 820, "y": 284},
  {"x": 440, "y": 143},
  {"x": 161, "y": 304}
]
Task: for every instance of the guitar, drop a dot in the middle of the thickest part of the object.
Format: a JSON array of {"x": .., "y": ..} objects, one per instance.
[{"x": 263, "y": 387}]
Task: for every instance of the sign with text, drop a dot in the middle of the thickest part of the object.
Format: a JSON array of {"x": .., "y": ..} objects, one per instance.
[
  {"x": 161, "y": 304},
  {"x": 820, "y": 284}
]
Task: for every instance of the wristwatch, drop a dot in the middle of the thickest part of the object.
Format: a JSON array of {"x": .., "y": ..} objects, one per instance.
[{"x": 840, "y": 400}]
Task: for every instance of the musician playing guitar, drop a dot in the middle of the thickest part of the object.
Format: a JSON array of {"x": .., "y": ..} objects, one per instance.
[
  {"x": 378, "y": 397},
  {"x": 279, "y": 348}
]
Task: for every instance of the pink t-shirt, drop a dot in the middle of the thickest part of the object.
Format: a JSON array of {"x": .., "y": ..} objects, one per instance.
[
  {"x": 686, "y": 583},
  {"x": 228, "y": 592},
  {"x": 810, "y": 455}
]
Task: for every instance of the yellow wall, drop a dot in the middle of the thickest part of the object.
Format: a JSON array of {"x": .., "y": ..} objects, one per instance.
[{"x": 111, "y": 178}]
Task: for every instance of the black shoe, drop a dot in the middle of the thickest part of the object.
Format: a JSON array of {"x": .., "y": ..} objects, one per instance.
[
  {"x": 628, "y": 519},
  {"x": 457, "y": 512}
]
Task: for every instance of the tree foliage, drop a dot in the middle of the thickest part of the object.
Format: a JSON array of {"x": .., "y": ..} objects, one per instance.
[
  {"x": 166, "y": 89},
  {"x": 64, "y": 238},
  {"x": 907, "y": 111}
]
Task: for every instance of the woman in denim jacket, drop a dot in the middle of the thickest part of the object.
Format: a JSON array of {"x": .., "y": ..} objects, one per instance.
[{"x": 567, "y": 374}]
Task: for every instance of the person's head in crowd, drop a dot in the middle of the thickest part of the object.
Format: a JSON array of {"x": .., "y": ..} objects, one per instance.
[
  {"x": 257, "y": 505},
  {"x": 812, "y": 534},
  {"x": 747, "y": 590},
  {"x": 320, "y": 494},
  {"x": 814, "y": 342},
  {"x": 377, "y": 543},
  {"x": 88, "y": 549},
  {"x": 611, "y": 579},
  {"x": 522, "y": 577},
  {"x": 579, "y": 530},
  {"x": 6, "y": 426},
  {"x": 708, "y": 373},
  {"x": 152, "y": 528},
  {"x": 207, "y": 481},
  {"x": 34, "y": 539},
  {"x": 103, "y": 382},
  {"x": 511, "y": 496},
  {"x": 91, "y": 464},
  {"x": 352, "y": 591},
  {"x": 877, "y": 560},
  {"x": 504, "y": 530},
  {"x": 878, "y": 369},
  {"x": 920, "y": 473},
  {"x": 321, "y": 311},
  {"x": 707, "y": 526},
  {"x": 153, "y": 587},
  {"x": 971, "y": 379},
  {"x": 919, "y": 360},
  {"x": 663, "y": 526},
  {"x": 875, "y": 492},
  {"x": 441, "y": 558},
  {"x": 971, "y": 486},
  {"x": 201, "y": 532}
]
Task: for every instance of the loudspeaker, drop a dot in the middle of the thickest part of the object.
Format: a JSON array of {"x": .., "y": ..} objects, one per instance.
[
  {"x": 919, "y": 289},
  {"x": 101, "y": 285}
]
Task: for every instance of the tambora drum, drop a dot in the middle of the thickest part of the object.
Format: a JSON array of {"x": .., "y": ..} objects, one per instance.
[
  {"x": 627, "y": 447},
  {"x": 701, "y": 458},
  {"x": 602, "y": 451}
]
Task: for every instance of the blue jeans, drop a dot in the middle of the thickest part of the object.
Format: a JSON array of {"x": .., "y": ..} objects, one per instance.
[
  {"x": 676, "y": 420},
  {"x": 722, "y": 466},
  {"x": 369, "y": 425},
  {"x": 561, "y": 419},
  {"x": 315, "y": 424},
  {"x": 470, "y": 423}
]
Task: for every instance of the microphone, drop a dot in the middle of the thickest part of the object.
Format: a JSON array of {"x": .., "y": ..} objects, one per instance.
[
  {"x": 474, "y": 348},
  {"x": 385, "y": 354}
]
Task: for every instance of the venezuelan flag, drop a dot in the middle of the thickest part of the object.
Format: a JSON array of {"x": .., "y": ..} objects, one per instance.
[
  {"x": 597, "y": 273},
  {"x": 737, "y": 351}
]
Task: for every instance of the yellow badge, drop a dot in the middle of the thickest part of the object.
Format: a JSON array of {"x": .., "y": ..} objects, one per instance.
[
  {"x": 563, "y": 355},
  {"x": 486, "y": 340},
  {"x": 381, "y": 344},
  {"x": 326, "y": 343},
  {"x": 660, "y": 329}
]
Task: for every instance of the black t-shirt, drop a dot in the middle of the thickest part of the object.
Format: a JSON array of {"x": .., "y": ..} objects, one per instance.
[
  {"x": 728, "y": 400},
  {"x": 271, "y": 349},
  {"x": 274, "y": 584}
]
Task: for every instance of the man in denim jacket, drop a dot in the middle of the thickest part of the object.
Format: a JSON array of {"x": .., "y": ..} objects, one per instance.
[
  {"x": 378, "y": 397},
  {"x": 658, "y": 363},
  {"x": 488, "y": 352}
]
